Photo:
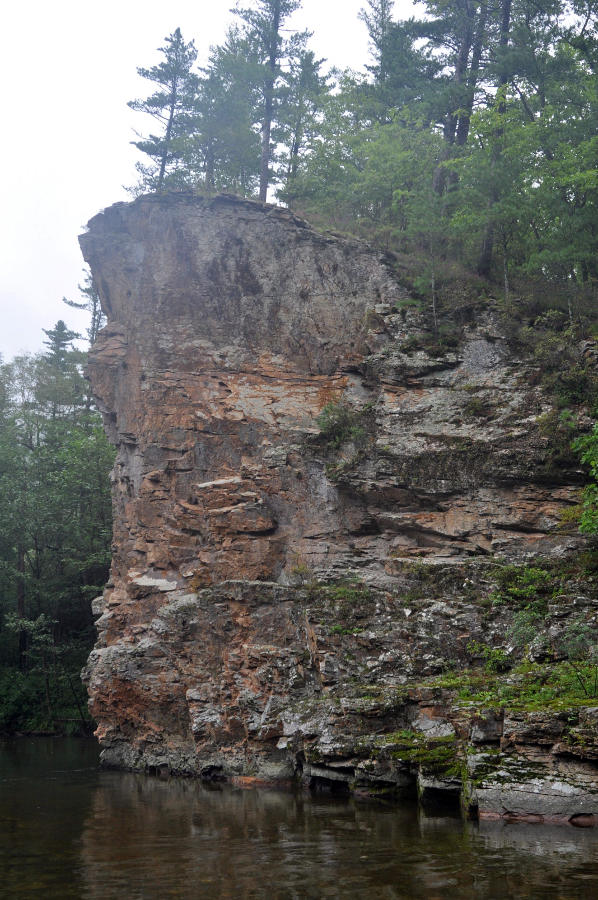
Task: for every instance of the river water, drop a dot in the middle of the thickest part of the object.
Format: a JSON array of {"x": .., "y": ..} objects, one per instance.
[{"x": 70, "y": 830}]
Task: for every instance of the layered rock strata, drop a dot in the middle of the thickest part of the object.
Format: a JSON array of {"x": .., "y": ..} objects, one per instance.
[{"x": 306, "y": 510}]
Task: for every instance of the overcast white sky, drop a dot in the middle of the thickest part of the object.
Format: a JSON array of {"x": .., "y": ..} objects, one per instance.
[{"x": 68, "y": 69}]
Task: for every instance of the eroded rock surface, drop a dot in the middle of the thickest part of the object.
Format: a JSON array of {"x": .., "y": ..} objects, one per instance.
[{"x": 267, "y": 613}]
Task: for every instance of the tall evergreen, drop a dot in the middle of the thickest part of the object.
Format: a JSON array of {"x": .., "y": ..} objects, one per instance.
[
  {"x": 55, "y": 533},
  {"x": 510, "y": 88},
  {"x": 263, "y": 24},
  {"x": 90, "y": 302},
  {"x": 172, "y": 105},
  {"x": 378, "y": 21},
  {"x": 223, "y": 153},
  {"x": 300, "y": 113}
]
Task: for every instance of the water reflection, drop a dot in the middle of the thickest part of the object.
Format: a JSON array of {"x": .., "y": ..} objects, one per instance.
[
  {"x": 185, "y": 839},
  {"x": 82, "y": 833},
  {"x": 46, "y": 788}
]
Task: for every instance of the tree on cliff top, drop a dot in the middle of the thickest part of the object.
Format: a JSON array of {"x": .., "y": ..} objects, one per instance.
[
  {"x": 264, "y": 27},
  {"x": 172, "y": 105},
  {"x": 223, "y": 153}
]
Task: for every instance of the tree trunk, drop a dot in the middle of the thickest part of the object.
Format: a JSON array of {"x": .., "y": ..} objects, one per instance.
[
  {"x": 459, "y": 78},
  {"x": 486, "y": 252},
  {"x": 269, "y": 102},
  {"x": 167, "y": 138},
  {"x": 472, "y": 78},
  {"x": 21, "y": 604}
]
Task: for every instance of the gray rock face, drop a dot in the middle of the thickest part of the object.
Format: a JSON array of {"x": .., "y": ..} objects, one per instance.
[
  {"x": 533, "y": 785},
  {"x": 280, "y": 595}
]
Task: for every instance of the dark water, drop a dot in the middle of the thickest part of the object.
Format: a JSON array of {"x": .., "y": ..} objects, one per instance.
[{"x": 68, "y": 830}]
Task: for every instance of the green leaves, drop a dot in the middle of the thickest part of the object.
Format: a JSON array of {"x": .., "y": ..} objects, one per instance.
[
  {"x": 477, "y": 133},
  {"x": 587, "y": 447},
  {"x": 55, "y": 528},
  {"x": 173, "y": 106}
]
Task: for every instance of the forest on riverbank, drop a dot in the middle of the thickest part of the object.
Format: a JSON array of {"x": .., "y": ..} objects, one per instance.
[{"x": 55, "y": 530}]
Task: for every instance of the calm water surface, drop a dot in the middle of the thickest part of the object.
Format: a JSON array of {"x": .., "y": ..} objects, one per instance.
[{"x": 69, "y": 830}]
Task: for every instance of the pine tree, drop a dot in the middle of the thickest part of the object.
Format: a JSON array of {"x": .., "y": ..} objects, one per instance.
[
  {"x": 302, "y": 100},
  {"x": 378, "y": 21},
  {"x": 55, "y": 530},
  {"x": 61, "y": 389},
  {"x": 264, "y": 25},
  {"x": 90, "y": 303},
  {"x": 224, "y": 151},
  {"x": 173, "y": 106}
]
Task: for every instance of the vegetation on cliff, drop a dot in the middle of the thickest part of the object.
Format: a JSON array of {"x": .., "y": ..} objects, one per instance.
[
  {"x": 471, "y": 137},
  {"x": 467, "y": 149}
]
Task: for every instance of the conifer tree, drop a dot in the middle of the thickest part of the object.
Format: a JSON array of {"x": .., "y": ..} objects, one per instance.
[
  {"x": 172, "y": 105},
  {"x": 302, "y": 100},
  {"x": 91, "y": 303},
  {"x": 378, "y": 21},
  {"x": 264, "y": 25},
  {"x": 223, "y": 153},
  {"x": 55, "y": 530}
]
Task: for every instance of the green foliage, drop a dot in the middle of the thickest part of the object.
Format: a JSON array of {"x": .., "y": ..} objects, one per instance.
[
  {"x": 528, "y": 686},
  {"x": 339, "y": 423},
  {"x": 172, "y": 106},
  {"x": 587, "y": 447},
  {"x": 555, "y": 343},
  {"x": 479, "y": 408},
  {"x": 496, "y": 659},
  {"x": 521, "y": 585},
  {"x": 559, "y": 427},
  {"x": 340, "y": 629},
  {"x": 19, "y": 702},
  {"x": 473, "y": 136},
  {"x": 435, "y": 343},
  {"x": 222, "y": 153},
  {"x": 350, "y": 592},
  {"x": 301, "y": 101},
  {"x": 90, "y": 301},
  {"x": 455, "y": 142},
  {"x": 578, "y": 645},
  {"x": 434, "y": 756},
  {"x": 527, "y": 589},
  {"x": 55, "y": 532}
]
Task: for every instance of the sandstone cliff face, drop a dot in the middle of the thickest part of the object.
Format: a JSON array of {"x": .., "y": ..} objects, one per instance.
[{"x": 268, "y": 612}]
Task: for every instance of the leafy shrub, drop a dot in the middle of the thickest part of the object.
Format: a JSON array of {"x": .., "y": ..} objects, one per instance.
[
  {"x": 559, "y": 427},
  {"x": 339, "y": 423},
  {"x": 479, "y": 408},
  {"x": 587, "y": 447},
  {"x": 526, "y": 624},
  {"x": 578, "y": 645},
  {"x": 522, "y": 585},
  {"x": 495, "y": 658},
  {"x": 437, "y": 343}
]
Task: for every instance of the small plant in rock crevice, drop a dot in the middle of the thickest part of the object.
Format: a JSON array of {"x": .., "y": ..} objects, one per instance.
[
  {"x": 340, "y": 423},
  {"x": 578, "y": 644},
  {"x": 521, "y": 585},
  {"x": 495, "y": 658},
  {"x": 479, "y": 408}
]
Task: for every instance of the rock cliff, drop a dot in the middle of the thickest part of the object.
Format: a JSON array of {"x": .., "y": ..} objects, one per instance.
[{"x": 313, "y": 513}]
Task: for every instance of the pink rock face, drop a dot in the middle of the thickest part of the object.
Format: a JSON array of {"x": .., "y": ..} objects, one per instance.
[{"x": 262, "y": 569}]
